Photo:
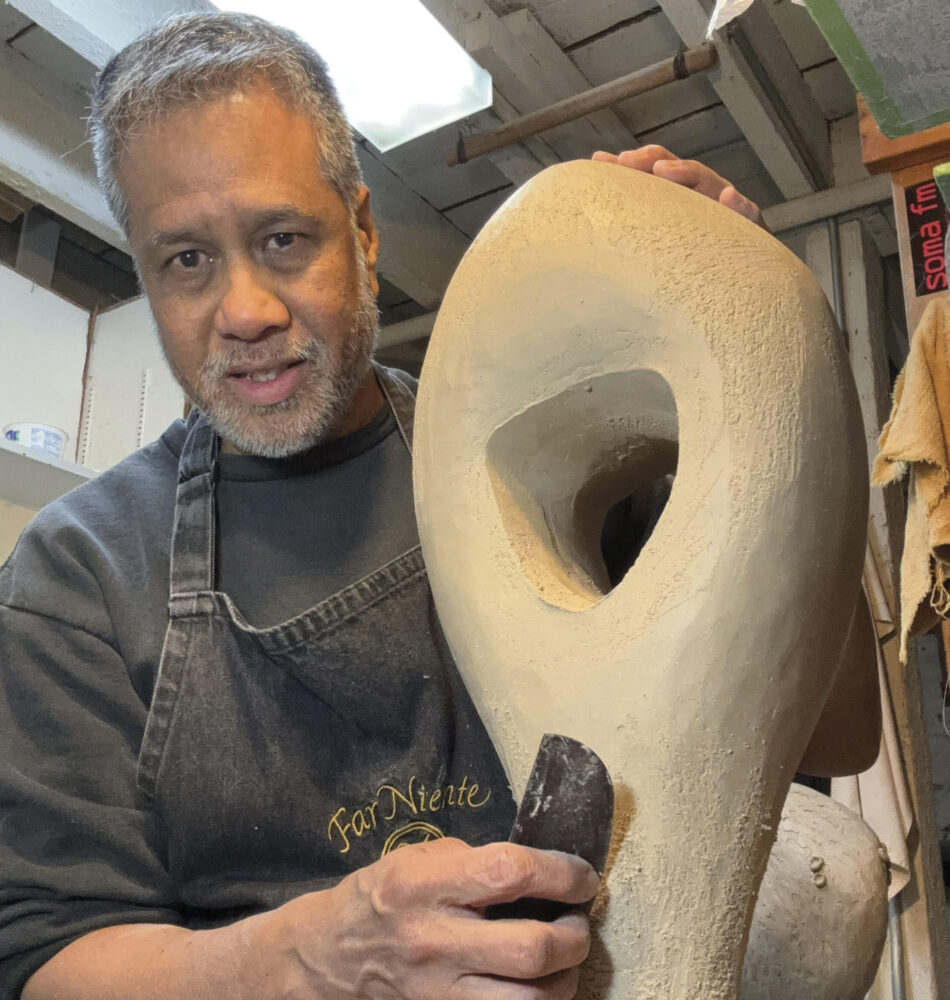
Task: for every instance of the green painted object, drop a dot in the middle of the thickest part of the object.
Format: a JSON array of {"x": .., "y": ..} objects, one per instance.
[
  {"x": 897, "y": 54},
  {"x": 942, "y": 177}
]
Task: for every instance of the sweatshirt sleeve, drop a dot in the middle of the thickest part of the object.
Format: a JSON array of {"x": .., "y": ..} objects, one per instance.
[{"x": 79, "y": 850}]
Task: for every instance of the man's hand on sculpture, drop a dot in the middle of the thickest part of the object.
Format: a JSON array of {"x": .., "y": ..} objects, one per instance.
[
  {"x": 690, "y": 173},
  {"x": 411, "y": 926}
]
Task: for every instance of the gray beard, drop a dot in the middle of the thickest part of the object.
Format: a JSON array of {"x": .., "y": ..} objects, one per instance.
[{"x": 313, "y": 412}]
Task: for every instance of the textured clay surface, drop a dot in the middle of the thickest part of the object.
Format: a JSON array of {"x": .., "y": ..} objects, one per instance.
[{"x": 604, "y": 328}]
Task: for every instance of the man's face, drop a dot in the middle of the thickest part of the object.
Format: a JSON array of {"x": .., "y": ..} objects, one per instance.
[{"x": 261, "y": 283}]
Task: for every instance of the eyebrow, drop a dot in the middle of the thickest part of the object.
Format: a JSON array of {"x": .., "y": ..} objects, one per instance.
[
  {"x": 273, "y": 217},
  {"x": 160, "y": 239}
]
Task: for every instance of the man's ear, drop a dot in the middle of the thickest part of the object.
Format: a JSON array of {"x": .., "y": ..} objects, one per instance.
[{"x": 368, "y": 235}]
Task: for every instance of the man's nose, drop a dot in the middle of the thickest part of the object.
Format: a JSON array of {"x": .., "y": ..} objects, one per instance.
[{"x": 250, "y": 308}]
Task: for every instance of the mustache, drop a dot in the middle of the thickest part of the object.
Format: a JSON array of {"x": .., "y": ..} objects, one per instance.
[{"x": 267, "y": 353}]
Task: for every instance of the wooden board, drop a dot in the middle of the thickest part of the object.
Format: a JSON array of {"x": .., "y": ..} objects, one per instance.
[
  {"x": 570, "y": 21},
  {"x": 895, "y": 54},
  {"x": 695, "y": 134},
  {"x": 12, "y": 203},
  {"x": 803, "y": 37},
  {"x": 833, "y": 91},
  {"x": 638, "y": 45},
  {"x": 922, "y": 221},
  {"x": 922, "y": 902},
  {"x": 881, "y": 154}
]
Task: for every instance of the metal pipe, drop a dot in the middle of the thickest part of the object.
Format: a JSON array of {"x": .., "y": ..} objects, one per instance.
[
  {"x": 680, "y": 66},
  {"x": 896, "y": 938},
  {"x": 837, "y": 279}
]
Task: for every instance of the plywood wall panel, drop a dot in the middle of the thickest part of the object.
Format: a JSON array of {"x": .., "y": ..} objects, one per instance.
[
  {"x": 803, "y": 37},
  {"x": 131, "y": 396},
  {"x": 708, "y": 129},
  {"x": 42, "y": 352},
  {"x": 570, "y": 21}
]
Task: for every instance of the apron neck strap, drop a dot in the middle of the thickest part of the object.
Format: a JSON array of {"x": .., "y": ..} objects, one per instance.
[
  {"x": 400, "y": 392},
  {"x": 192, "y": 550}
]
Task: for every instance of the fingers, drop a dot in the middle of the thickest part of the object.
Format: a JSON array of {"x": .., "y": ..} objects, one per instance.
[
  {"x": 502, "y": 873},
  {"x": 687, "y": 173},
  {"x": 412, "y": 925},
  {"x": 449, "y": 873},
  {"x": 731, "y": 198},
  {"x": 694, "y": 175},
  {"x": 522, "y": 949},
  {"x": 661, "y": 162},
  {"x": 559, "y": 986},
  {"x": 643, "y": 158}
]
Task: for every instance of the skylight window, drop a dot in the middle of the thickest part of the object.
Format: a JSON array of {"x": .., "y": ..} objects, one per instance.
[{"x": 399, "y": 73}]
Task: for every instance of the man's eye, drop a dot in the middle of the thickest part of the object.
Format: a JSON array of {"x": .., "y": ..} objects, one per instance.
[
  {"x": 188, "y": 259},
  {"x": 280, "y": 241}
]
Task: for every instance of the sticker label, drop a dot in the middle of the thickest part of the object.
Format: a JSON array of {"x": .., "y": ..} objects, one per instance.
[{"x": 927, "y": 221}]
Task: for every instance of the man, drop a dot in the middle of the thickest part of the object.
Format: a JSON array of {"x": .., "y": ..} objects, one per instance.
[{"x": 243, "y": 764}]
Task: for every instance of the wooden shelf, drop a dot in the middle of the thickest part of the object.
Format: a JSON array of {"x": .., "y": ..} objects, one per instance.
[
  {"x": 883, "y": 155},
  {"x": 30, "y": 478}
]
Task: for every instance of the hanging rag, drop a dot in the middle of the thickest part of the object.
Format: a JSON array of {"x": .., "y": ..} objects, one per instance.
[{"x": 916, "y": 442}]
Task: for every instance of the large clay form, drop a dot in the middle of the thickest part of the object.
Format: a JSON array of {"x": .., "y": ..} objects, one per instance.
[
  {"x": 820, "y": 918},
  {"x": 604, "y": 329},
  {"x": 821, "y": 914}
]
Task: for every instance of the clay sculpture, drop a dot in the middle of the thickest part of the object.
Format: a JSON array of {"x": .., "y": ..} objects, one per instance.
[{"x": 605, "y": 330}]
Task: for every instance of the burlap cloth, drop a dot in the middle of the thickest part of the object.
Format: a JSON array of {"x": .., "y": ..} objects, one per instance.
[{"x": 914, "y": 442}]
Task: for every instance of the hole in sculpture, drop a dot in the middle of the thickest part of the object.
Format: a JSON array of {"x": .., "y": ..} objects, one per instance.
[
  {"x": 581, "y": 480},
  {"x": 630, "y": 522}
]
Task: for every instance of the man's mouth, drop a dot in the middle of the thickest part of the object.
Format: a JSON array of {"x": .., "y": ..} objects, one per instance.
[
  {"x": 260, "y": 373},
  {"x": 265, "y": 383}
]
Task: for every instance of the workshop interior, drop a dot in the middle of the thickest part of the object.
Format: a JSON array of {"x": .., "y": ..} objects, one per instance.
[{"x": 554, "y": 390}]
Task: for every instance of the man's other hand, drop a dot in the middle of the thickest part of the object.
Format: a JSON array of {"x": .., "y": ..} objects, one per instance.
[
  {"x": 690, "y": 173},
  {"x": 412, "y": 927}
]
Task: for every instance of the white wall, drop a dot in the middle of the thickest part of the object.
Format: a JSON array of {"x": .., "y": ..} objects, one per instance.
[
  {"x": 13, "y": 520},
  {"x": 42, "y": 352},
  {"x": 131, "y": 397}
]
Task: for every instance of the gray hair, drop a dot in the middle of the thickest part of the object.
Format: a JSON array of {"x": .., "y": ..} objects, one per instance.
[{"x": 194, "y": 57}]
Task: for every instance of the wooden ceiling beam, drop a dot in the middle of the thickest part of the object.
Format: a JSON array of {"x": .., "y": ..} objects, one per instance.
[
  {"x": 760, "y": 85},
  {"x": 44, "y": 153},
  {"x": 530, "y": 71},
  {"x": 563, "y": 79},
  {"x": 12, "y": 203},
  {"x": 419, "y": 247}
]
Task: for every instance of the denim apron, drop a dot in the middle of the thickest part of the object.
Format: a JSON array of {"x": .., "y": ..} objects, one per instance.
[{"x": 281, "y": 759}]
